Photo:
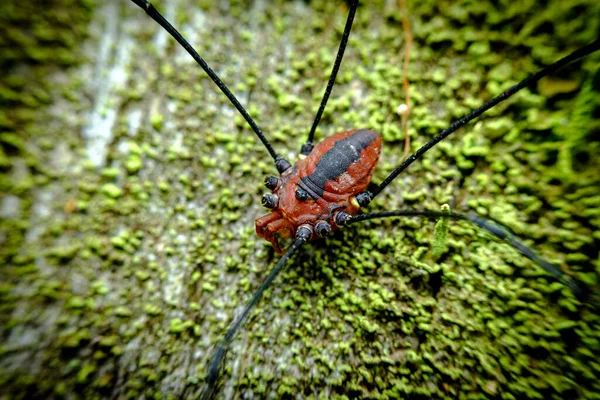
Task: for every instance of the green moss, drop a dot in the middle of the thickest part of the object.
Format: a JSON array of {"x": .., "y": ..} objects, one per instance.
[
  {"x": 134, "y": 163},
  {"x": 177, "y": 326},
  {"x": 111, "y": 190},
  {"x": 123, "y": 312},
  {"x": 369, "y": 312},
  {"x": 157, "y": 120},
  {"x": 439, "y": 246},
  {"x": 110, "y": 173},
  {"x": 76, "y": 302},
  {"x": 65, "y": 253}
]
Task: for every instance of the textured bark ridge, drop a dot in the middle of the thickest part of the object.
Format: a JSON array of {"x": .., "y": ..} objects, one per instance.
[{"x": 129, "y": 189}]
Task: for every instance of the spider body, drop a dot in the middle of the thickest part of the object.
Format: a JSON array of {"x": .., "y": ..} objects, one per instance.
[{"x": 320, "y": 188}]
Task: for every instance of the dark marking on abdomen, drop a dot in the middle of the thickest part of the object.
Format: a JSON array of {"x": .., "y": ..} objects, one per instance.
[{"x": 338, "y": 159}]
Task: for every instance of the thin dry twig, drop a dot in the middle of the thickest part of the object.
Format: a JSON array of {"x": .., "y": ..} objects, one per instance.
[{"x": 404, "y": 109}]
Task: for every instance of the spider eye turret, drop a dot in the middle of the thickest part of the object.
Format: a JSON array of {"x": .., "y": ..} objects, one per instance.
[
  {"x": 270, "y": 200},
  {"x": 271, "y": 182},
  {"x": 341, "y": 218},
  {"x": 323, "y": 228},
  {"x": 304, "y": 231}
]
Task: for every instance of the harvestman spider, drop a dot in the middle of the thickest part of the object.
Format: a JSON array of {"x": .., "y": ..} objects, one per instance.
[{"x": 310, "y": 181}]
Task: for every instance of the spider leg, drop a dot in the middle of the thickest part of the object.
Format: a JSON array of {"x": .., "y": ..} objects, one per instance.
[
  {"x": 270, "y": 225},
  {"x": 366, "y": 197},
  {"x": 216, "y": 362},
  {"x": 495, "y": 228},
  {"x": 280, "y": 163},
  {"x": 308, "y": 146}
]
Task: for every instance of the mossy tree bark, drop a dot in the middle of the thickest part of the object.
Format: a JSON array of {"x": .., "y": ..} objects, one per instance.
[{"x": 130, "y": 188}]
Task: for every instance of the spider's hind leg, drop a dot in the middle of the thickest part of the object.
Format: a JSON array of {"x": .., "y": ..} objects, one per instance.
[{"x": 499, "y": 231}]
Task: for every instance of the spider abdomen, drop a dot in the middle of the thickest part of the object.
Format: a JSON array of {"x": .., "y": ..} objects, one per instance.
[
  {"x": 320, "y": 185},
  {"x": 342, "y": 164}
]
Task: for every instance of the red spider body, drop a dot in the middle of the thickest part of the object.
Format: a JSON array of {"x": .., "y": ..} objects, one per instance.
[{"x": 336, "y": 170}]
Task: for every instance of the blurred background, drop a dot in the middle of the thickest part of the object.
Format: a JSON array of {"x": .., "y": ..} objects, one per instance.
[{"x": 129, "y": 187}]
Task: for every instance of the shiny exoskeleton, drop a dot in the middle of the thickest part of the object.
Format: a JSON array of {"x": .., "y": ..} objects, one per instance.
[{"x": 318, "y": 193}]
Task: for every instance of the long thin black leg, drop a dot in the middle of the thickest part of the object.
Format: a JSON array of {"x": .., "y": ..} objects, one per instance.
[
  {"x": 281, "y": 164},
  {"x": 366, "y": 197},
  {"x": 493, "y": 227},
  {"x": 214, "y": 368},
  {"x": 308, "y": 146}
]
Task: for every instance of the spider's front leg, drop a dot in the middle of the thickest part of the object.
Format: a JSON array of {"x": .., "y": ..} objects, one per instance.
[{"x": 270, "y": 225}]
